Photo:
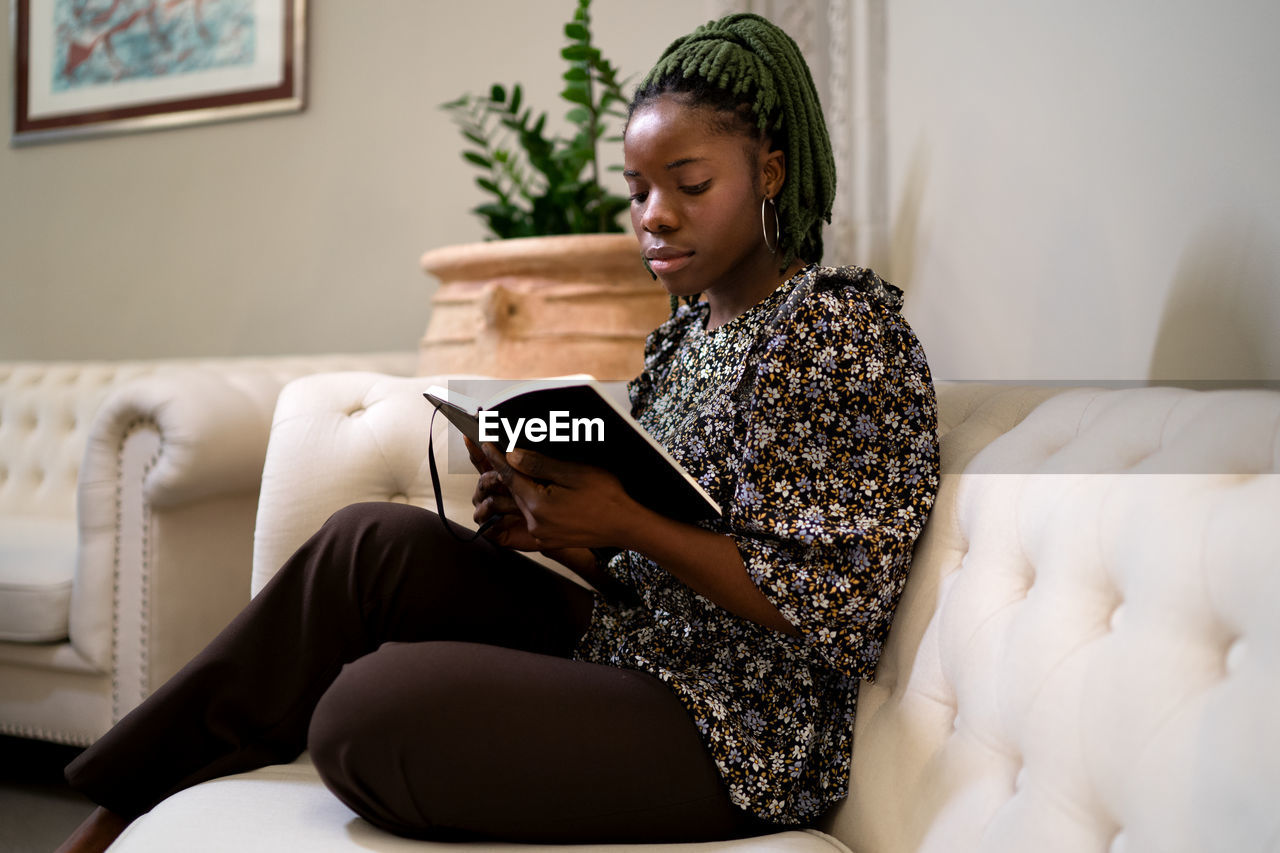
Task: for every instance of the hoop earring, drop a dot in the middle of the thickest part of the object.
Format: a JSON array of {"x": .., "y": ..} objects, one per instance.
[{"x": 777, "y": 226}]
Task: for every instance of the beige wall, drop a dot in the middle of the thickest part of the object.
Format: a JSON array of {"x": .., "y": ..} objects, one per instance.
[
  {"x": 296, "y": 233},
  {"x": 1087, "y": 190},
  {"x": 1075, "y": 191}
]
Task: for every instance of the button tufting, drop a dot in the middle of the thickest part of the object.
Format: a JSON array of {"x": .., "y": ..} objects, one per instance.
[
  {"x": 1020, "y": 778},
  {"x": 1119, "y": 843},
  {"x": 358, "y": 410},
  {"x": 399, "y": 498},
  {"x": 1117, "y": 617}
]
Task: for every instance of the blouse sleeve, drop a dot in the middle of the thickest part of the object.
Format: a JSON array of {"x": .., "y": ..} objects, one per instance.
[{"x": 839, "y": 468}]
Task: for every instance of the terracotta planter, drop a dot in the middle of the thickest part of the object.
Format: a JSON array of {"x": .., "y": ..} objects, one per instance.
[{"x": 541, "y": 306}]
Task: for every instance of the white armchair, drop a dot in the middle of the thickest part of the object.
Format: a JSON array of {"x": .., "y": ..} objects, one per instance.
[{"x": 128, "y": 492}]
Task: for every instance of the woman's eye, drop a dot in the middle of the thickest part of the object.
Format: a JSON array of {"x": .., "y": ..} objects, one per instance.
[
  {"x": 638, "y": 197},
  {"x": 696, "y": 188}
]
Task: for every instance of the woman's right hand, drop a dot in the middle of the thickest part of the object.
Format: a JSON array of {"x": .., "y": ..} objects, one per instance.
[
  {"x": 491, "y": 500},
  {"x": 478, "y": 460}
]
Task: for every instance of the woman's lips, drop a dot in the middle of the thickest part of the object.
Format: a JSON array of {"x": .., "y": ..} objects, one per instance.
[{"x": 666, "y": 261}]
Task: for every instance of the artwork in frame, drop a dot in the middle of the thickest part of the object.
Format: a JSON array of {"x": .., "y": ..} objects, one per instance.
[{"x": 89, "y": 67}]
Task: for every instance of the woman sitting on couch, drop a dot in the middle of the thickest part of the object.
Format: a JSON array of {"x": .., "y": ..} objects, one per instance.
[{"x": 451, "y": 689}]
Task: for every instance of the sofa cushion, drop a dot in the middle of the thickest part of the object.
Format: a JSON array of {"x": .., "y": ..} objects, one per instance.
[
  {"x": 286, "y": 807},
  {"x": 37, "y": 564}
]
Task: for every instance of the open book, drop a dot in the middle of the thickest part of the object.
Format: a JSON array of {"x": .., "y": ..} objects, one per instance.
[{"x": 577, "y": 421}]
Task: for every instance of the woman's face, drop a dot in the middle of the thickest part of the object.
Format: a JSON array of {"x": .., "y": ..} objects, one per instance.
[{"x": 695, "y": 200}]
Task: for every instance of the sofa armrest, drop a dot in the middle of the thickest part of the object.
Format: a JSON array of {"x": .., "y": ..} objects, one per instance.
[
  {"x": 343, "y": 438},
  {"x": 166, "y": 499}
]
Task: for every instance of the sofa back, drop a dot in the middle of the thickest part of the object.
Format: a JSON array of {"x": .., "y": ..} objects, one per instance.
[
  {"x": 48, "y": 407},
  {"x": 1086, "y": 656},
  {"x": 45, "y": 412}
]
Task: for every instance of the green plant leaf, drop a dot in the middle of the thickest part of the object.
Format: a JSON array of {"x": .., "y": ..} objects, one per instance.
[
  {"x": 542, "y": 182},
  {"x": 580, "y": 53}
]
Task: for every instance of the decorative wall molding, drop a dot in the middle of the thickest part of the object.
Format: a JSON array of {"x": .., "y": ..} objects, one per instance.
[{"x": 844, "y": 43}]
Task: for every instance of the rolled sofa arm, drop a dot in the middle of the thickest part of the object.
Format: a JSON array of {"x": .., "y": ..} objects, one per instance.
[
  {"x": 343, "y": 438},
  {"x": 166, "y": 501}
]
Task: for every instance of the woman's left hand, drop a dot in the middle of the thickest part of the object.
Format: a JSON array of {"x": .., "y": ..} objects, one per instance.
[{"x": 564, "y": 504}]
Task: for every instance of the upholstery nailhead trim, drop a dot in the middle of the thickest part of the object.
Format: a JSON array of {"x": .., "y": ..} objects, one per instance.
[
  {"x": 144, "y": 568},
  {"x": 37, "y": 733}
]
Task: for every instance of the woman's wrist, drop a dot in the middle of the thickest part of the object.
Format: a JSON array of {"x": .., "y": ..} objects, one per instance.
[
  {"x": 580, "y": 561},
  {"x": 649, "y": 533}
]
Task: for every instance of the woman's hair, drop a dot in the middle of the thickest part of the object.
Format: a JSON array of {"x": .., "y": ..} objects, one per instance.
[{"x": 746, "y": 68}]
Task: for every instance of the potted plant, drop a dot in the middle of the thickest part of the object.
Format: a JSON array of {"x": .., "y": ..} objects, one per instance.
[{"x": 561, "y": 289}]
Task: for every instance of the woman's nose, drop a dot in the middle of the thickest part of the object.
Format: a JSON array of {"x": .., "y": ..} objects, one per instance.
[{"x": 658, "y": 214}]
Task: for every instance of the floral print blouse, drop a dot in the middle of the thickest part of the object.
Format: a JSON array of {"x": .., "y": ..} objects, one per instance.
[{"x": 811, "y": 420}]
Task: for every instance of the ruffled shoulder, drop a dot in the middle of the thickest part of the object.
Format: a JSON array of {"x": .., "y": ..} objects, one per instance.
[{"x": 860, "y": 280}]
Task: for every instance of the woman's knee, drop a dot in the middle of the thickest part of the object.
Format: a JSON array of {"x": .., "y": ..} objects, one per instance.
[
  {"x": 372, "y": 537},
  {"x": 379, "y": 520},
  {"x": 455, "y": 740},
  {"x": 372, "y": 731}
]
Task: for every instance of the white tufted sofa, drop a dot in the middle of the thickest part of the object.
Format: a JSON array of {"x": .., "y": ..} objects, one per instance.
[
  {"x": 128, "y": 492},
  {"x": 1087, "y": 656}
]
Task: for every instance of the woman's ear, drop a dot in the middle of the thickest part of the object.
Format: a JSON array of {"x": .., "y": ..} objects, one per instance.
[{"x": 773, "y": 172}]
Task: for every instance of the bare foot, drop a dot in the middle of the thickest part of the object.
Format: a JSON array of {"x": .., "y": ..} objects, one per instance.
[{"x": 96, "y": 833}]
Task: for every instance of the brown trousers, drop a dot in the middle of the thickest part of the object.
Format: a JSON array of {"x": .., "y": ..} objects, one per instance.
[{"x": 430, "y": 680}]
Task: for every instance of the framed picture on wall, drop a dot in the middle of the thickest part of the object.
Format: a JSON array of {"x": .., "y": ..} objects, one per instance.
[{"x": 88, "y": 67}]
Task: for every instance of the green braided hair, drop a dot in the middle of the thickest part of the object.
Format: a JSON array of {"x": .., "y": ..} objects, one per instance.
[{"x": 744, "y": 66}]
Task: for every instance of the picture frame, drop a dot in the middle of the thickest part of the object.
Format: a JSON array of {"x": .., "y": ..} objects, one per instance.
[{"x": 96, "y": 67}]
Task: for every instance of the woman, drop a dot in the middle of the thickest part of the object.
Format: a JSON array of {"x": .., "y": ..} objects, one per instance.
[{"x": 451, "y": 689}]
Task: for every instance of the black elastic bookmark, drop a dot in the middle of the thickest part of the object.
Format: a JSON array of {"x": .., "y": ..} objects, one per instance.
[{"x": 435, "y": 484}]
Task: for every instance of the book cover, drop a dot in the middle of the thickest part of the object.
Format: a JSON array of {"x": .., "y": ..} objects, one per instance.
[{"x": 576, "y": 421}]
